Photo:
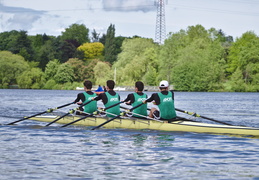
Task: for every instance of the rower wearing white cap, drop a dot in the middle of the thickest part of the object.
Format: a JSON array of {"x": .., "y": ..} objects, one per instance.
[{"x": 165, "y": 102}]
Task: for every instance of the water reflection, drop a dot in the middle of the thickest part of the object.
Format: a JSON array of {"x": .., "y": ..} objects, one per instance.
[{"x": 31, "y": 151}]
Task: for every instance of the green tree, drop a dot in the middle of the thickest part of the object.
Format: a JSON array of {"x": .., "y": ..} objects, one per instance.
[
  {"x": 50, "y": 84},
  {"x": 92, "y": 50},
  {"x": 192, "y": 60},
  {"x": 118, "y": 43},
  {"x": 89, "y": 74},
  {"x": 39, "y": 40},
  {"x": 44, "y": 48},
  {"x": 80, "y": 69},
  {"x": 109, "y": 51},
  {"x": 197, "y": 32},
  {"x": 76, "y": 32},
  {"x": 67, "y": 49},
  {"x": 243, "y": 51},
  {"x": 244, "y": 56},
  {"x": 236, "y": 82},
  {"x": 133, "y": 61},
  {"x": 31, "y": 79},
  {"x": 51, "y": 69},
  {"x": 11, "y": 67},
  {"x": 65, "y": 73},
  {"x": 169, "y": 54},
  {"x": 95, "y": 36},
  {"x": 45, "y": 54},
  {"x": 18, "y": 43},
  {"x": 102, "y": 72}
]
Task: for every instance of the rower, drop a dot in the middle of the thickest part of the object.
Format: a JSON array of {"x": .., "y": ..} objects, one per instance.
[
  {"x": 86, "y": 96},
  {"x": 110, "y": 98},
  {"x": 165, "y": 102},
  {"x": 137, "y": 98}
]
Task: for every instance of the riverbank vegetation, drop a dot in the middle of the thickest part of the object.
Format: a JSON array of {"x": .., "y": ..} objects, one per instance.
[{"x": 195, "y": 59}]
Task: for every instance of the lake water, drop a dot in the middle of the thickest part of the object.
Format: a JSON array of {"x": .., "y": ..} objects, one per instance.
[{"x": 28, "y": 150}]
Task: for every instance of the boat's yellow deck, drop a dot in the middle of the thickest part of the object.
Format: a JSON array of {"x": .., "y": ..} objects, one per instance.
[{"x": 134, "y": 123}]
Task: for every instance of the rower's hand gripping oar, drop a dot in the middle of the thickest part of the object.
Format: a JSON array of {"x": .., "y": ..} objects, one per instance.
[
  {"x": 197, "y": 115},
  {"x": 70, "y": 112},
  {"x": 89, "y": 115},
  {"x": 48, "y": 111},
  {"x": 121, "y": 114}
]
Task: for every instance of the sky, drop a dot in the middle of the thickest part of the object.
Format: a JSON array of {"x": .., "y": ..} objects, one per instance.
[{"x": 130, "y": 17}]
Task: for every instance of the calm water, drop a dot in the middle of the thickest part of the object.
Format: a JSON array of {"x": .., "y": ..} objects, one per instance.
[{"x": 28, "y": 150}]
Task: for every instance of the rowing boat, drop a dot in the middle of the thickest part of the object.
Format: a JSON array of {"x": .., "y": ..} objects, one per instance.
[{"x": 176, "y": 126}]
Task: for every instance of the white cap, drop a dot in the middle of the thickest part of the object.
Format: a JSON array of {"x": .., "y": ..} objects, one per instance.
[{"x": 163, "y": 84}]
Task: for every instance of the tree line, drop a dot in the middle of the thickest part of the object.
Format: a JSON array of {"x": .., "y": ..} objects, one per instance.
[{"x": 195, "y": 59}]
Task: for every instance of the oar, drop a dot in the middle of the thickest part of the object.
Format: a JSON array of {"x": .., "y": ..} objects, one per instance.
[
  {"x": 147, "y": 117},
  {"x": 91, "y": 114},
  {"x": 70, "y": 112},
  {"x": 197, "y": 115},
  {"x": 121, "y": 114},
  {"x": 48, "y": 111}
]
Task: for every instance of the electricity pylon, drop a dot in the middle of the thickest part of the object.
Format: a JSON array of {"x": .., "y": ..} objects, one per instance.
[{"x": 160, "y": 22}]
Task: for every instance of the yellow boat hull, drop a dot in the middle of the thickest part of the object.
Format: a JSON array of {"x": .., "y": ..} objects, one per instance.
[{"x": 176, "y": 126}]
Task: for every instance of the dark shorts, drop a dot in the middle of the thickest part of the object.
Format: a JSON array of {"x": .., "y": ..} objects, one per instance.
[{"x": 156, "y": 114}]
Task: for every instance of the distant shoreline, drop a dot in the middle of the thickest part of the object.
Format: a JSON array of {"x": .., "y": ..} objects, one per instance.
[{"x": 129, "y": 88}]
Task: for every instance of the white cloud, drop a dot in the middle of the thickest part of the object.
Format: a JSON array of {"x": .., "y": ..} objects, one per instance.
[
  {"x": 130, "y": 17},
  {"x": 129, "y": 5}
]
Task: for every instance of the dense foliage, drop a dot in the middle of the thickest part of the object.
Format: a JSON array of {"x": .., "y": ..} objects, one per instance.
[{"x": 194, "y": 59}]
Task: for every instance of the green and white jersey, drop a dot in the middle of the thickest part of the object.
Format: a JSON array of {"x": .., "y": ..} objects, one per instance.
[
  {"x": 138, "y": 99},
  {"x": 166, "y": 106},
  {"x": 111, "y": 100},
  {"x": 92, "y": 106}
]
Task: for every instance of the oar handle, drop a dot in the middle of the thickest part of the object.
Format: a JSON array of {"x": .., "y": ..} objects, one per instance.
[
  {"x": 85, "y": 103},
  {"x": 112, "y": 105},
  {"x": 135, "y": 107},
  {"x": 64, "y": 105}
]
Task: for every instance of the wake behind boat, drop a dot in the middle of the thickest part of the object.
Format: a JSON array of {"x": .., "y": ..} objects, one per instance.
[{"x": 184, "y": 125}]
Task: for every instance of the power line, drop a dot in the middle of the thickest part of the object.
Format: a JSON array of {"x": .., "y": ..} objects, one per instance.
[
  {"x": 215, "y": 10},
  {"x": 138, "y": 8}
]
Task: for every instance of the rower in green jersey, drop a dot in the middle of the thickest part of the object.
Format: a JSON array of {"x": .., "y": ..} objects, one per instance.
[
  {"x": 165, "y": 102},
  {"x": 137, "y": 98},
  {"x": 86, "y": 96},
  {"x": 110, "y": 98}
]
